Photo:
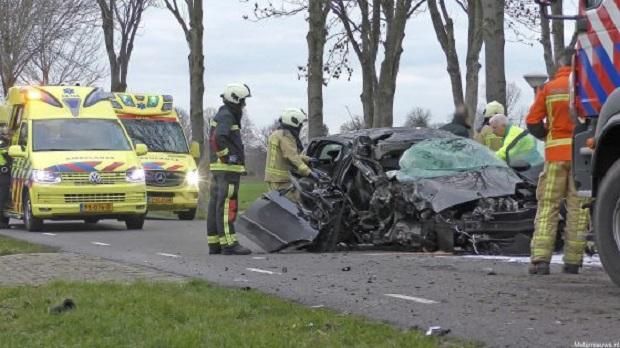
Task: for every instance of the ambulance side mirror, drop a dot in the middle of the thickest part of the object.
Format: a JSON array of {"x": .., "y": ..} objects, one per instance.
[
  {"x": 141, "y": 149},
  {"x": 194, "y": 150},
  {"x": 16, "y": 151}
]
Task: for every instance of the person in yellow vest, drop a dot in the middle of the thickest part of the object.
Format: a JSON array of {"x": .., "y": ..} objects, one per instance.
[
  {"x": 485, "y": 136},
  {"x": 517, "y": 143},
  {"x": 284, "y": 152},
  {"x": 5, "y": 175}
]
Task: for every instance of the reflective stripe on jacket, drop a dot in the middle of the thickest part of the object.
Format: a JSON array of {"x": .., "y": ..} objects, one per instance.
[
  {"x": 226, "y": 146},
  {"x": 551, "y": 104},
  {"x": 282, "y": 156}
]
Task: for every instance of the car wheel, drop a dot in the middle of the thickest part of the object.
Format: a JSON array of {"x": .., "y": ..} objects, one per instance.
[
  {"x": 606, "y": 220},
  {"x": 32, "y": 223},
  {"x": 187, "y": 215},
  {"x": 135, "y": 222}
]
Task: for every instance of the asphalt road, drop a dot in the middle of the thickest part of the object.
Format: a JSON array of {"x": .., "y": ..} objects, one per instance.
[{"x": 490, "y": 301}]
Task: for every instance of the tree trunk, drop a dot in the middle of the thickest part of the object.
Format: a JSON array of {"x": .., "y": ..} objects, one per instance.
[
  {"x": 494, "y": 42},
  {"x": 545, "y": 41},
  {"x": 558, "y": 32},
  {"x": 444, "y": 29},
  {"x": 196, "y": 72},
  {"x": 474, "y": 46},
  {"x": 368, "y": 93},
  {"x": 316, "y": 38}
]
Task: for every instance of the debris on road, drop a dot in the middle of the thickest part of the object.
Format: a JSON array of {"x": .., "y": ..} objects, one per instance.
[
  {"x": 66, "y": 305},
  {"x": 437, "y": 331},
  {"x": 346, "y": 269}
]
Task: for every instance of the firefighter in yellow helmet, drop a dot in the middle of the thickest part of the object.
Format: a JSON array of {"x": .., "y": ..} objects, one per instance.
[
  {"x": 284, "y": 152},
  {"x": 5, "y": 175},
  {"x": 486, "y": 136}
]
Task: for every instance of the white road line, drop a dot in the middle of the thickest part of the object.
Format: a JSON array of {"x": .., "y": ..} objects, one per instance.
[
  {"x": 259, "y": 258},
  {"x": 49, "y": 234},
  {"x": 411, "y": 298},
  {"x": 258, "y": 270},
  {"x": 169, "y": 255},
  {"x": 99, "y": 243}
]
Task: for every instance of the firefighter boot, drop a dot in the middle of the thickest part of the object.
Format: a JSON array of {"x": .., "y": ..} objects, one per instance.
[
  {"x": 570, "y": 269},
  {"x": 236, "y": 249},
  {"x": 215, "y": 249},
  {"x": 540, "y": 268}
]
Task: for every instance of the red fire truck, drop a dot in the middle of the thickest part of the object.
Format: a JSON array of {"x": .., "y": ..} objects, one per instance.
[{"x": 595, "y": 107}]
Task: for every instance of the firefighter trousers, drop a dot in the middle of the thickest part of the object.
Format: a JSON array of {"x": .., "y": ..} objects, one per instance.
[
  {"x": 222, "y": 209},
  {"x": 555, "y": 185},
  {"x": 5, "y": 183}
]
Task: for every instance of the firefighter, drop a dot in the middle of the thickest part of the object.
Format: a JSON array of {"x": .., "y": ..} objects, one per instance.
[
  {"x": 284, "y": 151},
  {"x": 549, "y": 120},
  {"x": 486, "y": 136},
  {"x": 227, "y": 164},
  {"x": 5, "y": 175},
  {"x": 516, "y": 143},
  {"x": 458, "y": 125}
]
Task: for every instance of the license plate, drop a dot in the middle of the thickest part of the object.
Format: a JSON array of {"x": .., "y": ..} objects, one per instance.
[
  {"x": 97, "y": 207},
  {"x": 160, "y": 200}
]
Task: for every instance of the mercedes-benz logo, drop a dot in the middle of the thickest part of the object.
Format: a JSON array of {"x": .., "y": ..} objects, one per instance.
[
  {"x": 160, "y": 178},
  {"x": 95, "y": 178}
]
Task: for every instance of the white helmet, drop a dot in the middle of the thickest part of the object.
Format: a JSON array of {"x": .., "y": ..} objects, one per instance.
[
  {"x": 293, "y": 117},
  {"x": 236, "y": 93}
]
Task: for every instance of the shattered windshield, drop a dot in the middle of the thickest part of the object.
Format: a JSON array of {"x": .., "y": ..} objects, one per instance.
[
  {"x": 158, "y": 136},
  {"x": 445, "y": 156}
]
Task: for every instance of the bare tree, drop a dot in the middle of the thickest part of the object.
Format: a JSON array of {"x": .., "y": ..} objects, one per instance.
[
  {"x": 494, "y": 42},
  {"x": 513, "y": 96},
  {"x": 418, "y": 117},
  {"x": 122, "y": 17},
  {"x": 316, "y": 39}
]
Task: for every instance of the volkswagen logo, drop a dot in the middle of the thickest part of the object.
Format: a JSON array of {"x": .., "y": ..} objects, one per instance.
[
  {"x": 160, "y": 178},
  {"x": 95, "y": 178}
]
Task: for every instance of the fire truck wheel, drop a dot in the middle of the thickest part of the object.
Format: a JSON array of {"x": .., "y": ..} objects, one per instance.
[
  {"x": 187, "y": 215},
  {"x": 135, "y": 222},
  {"x": 32, "y": 223},
  {"x": 606, "y": 220}
]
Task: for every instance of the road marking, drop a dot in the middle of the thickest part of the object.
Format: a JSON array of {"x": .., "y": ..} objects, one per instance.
[
  {"x": 99, "y": 243},
  {"x": 411, "y": 298},
  {"x": 259, "y": 258},
  {"x": 169, "y": 255},
  {"x": 49, "y": 234},
  {"x": 258, "y": 270}
]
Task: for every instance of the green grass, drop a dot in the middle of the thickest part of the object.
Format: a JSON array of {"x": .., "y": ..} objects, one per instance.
[
  {"x": 10, "y": 246},
  {"x": 249, "y": 191},
  {"x": 193, "y": 314}
]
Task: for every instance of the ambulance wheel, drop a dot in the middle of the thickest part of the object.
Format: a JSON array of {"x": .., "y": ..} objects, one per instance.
[
  {"x": 135, "y": 222},
  {"x": 187, "y": 215},
  {"x": 91, "y": 221},
  {"x": 606, "y": 219},
  {"x": 32, "y": 223}
]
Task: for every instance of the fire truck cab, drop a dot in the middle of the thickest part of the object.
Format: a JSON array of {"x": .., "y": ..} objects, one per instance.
[
  {"x": 71, "y": 158},
  {"x": 171, "y": 172},
  {"x": 595, "y": 108}
]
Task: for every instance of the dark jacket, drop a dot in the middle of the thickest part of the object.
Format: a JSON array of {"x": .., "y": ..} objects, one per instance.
[
  {"x": 225, "y": 143},
  {"x": 457, "y": 127}
]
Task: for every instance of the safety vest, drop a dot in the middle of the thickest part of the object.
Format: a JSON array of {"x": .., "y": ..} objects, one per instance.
[
  {"x": 487, "y": 138},
  {"x": 552, "y": 105},
  {"x": 3, "y": 155},
  {"x": 282, "y": 156},
  {"x": 518, "y": 145}
]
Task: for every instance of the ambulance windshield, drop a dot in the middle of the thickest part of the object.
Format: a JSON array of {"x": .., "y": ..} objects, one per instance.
[
  {"x": 78, "y": 135},
  {"x": 157, "y": 135}
]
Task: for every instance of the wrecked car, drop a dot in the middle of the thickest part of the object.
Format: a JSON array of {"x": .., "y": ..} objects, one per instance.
[{"x": 401, "y": 189}]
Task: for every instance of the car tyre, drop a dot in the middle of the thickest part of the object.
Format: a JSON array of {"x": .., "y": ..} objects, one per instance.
[
  {"x": 606, "y": 218},
  {"x": 33, "y": 224},
  {"x": 187, "y": 215},
  {"x": 135, "y": 222}
]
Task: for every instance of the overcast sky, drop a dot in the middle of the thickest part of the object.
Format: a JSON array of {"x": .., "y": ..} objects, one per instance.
[{"x": 265, "y": 55}]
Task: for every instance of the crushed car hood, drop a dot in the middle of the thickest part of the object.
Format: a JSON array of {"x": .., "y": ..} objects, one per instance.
[{"x": 448, "y": 191}]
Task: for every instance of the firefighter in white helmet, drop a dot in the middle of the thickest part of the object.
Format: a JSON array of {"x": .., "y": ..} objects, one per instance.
[
  {"x": 284, "y": 152},
  {"x": 486, "y": 136},
  {"x": 227, "y": 164}
]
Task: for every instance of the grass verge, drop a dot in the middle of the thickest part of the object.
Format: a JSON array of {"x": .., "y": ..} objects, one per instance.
[
  {"x": 193, "y": 314},
  {"x": 249, "y": 191},
  {"x": 10, "y": 246}
]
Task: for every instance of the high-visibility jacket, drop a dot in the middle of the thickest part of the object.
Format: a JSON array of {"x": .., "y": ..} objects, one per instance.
[
  {"x": 551, "y": 104},
  {"x": 225, "y": 143},
  {"x": 487, "y": 138},
  {"x": 518, "y": 144},
  {"x": 3, "y": 155},
  {"x": 282, "y": 156}
]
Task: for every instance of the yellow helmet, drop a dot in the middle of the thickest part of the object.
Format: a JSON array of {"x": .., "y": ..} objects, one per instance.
[{"x": 493, "y": 108}]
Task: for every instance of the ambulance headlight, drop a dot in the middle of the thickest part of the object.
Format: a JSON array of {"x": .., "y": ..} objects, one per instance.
[
  {"x": 45, "y": 177},
  {"x": 192, "y": 178},
  {"x": 135, "y": 175}
]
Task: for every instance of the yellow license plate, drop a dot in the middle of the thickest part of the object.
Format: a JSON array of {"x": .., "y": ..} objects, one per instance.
[
  {"x": 97, "y": 207},
  {"x": 160, "y": 200}
]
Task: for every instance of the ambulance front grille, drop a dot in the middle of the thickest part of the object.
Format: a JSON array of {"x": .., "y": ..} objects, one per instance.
[
  {"x": 107, "y": 178},
  {"x": 162, "y": 178},
  {"x": 136, "y": 197}
]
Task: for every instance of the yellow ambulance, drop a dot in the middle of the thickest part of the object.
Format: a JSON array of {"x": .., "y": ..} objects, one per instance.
[
  {"x": 171, "y": 172},
  {"x": 72, "y": 158}
]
